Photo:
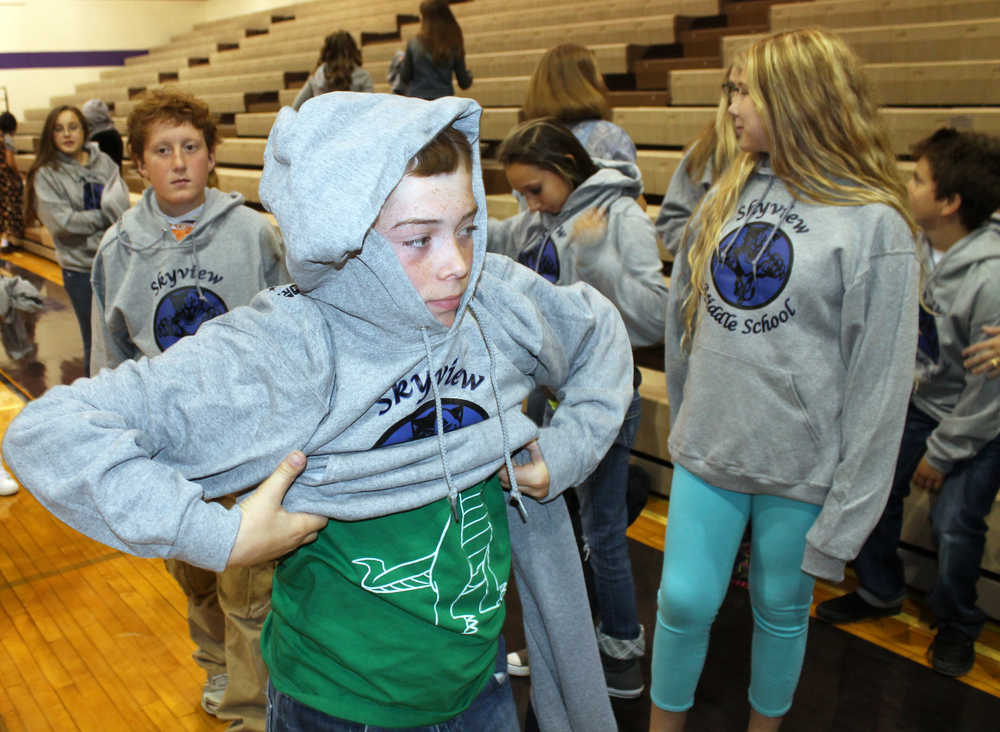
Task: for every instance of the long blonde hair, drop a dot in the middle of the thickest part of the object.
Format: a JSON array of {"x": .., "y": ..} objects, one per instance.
[
  {"x": 717, "y": 143},
  {"x": 567, "y": 85},
  {"x": 828, "y": 143}
]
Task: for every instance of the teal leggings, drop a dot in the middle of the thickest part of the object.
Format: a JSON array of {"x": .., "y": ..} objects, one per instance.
[{"x": 704, "y": 528}]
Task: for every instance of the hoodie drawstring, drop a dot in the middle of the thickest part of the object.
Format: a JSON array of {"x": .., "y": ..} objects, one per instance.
[
  {"x": 439, "y": 428},
  {"x": 724, "y": 252}
]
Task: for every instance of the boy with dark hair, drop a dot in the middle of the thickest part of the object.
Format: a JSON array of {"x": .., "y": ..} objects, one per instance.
[
  {"x": 397, "y": 364},
  {"x": 185, "y": 254},
  {"x": 950, "y": 443}
]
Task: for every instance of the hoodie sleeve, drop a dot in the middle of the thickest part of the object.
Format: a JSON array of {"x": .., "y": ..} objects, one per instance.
[
  {"x": 57, "y": 213},
  {"x": 140, "y": 447},
  {"x": 676, "y": 356},
  {"x": 878, "y": 342},
  {"x": 975, "y": 419},
  {"x": 500, "y": 237},
  {"x": 462, "y": 73},
  {"x": 626, "y": 268},
  {"x": 111, "y": 343},
  {"x": 305, "y": 93},
  {"x": 584, "y": 356},
  {"x": 272, "y": 251},
  {"x": 679, "y": 203}
]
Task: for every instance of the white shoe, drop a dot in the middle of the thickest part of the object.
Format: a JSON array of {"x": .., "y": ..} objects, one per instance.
[
  {"x": 8, "y": 486},
  {"x": 212, "y": 693},
  {"x": 517, "y": 663}
]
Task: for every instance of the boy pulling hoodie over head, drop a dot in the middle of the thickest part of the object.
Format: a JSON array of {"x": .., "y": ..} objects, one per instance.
[{"x": 397, "y": 366}]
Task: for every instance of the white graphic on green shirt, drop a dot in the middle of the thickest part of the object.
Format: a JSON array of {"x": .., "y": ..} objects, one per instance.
[{"x": 476, "y": 592}]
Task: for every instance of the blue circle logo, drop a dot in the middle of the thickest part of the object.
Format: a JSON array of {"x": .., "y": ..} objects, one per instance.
[
  {"x": 747, "y": 274},
  {"x": 456, "y": 413},
  {"x": 181, "y": 312}
]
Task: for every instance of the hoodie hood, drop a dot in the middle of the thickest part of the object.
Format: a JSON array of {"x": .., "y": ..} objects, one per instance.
[
  {"x": 98, "y": 117},
  {"x": 332, "y": 252},
  {"x": 613, "y": 180},
  {"x": 147, "y": 228}
]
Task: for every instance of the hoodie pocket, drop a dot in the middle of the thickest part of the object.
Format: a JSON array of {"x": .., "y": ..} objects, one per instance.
[{"x": 747, "y": 418}]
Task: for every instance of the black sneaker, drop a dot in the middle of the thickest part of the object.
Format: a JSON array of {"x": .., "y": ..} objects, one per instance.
[
  {"x": 952, "y": 652},
  {"x": 624, "y": 677},
  {"x": 851, "y": 608}
]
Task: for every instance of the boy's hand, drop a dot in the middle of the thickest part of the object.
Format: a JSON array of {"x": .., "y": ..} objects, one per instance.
[
  {"x": 590, "y": 227},
  {"x": 984, "y": 357},
  {"x": 926, "y": 477},
  {"x": 267, "y": 530},
  {"x": 532, "y": 477}
]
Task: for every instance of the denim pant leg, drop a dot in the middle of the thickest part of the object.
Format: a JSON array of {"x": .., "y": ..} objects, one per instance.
[
  {"x": 604, "y": 519},
  {"x": 77, "y": 285},
  {"x": 959, "y": 529},
  {"x": 878, "y": 566}
]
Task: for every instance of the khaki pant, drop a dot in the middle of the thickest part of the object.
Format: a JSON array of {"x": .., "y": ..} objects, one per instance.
[{"x": 225, "y": 614}]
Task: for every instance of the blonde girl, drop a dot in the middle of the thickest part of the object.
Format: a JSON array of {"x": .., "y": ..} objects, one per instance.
[
  {"x": 790, "y": 335},
  {"x": 435, "y": 54},
  {"x": 568, "y": 86},
  {"x": 703, "y": 163},
  {"x": 339, "y": 69}
]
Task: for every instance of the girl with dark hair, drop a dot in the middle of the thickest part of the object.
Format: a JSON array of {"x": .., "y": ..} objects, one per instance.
[
  {"x": 11, "y": 187},
  {"x": 339, "y": 69},
  {"x": 76, "y": 192},
  {"x": 583, "y": 225},
  {"x": 435, "y": 54}
]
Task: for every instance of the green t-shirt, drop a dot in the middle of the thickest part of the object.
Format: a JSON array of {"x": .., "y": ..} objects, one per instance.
[{"x": 393, "y": 621}]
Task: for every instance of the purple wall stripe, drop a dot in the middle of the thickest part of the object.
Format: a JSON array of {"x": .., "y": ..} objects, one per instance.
[{"x": 64, "y": 59}]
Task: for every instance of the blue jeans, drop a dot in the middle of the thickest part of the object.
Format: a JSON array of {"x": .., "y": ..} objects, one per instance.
[
  {"x": 77, "y": 285},
  {"x": 492, "y": 711},
  {"x": 958, "y": 528},
  {"x": 604, "y": 519},
  {"x": 704, "y": 528}
]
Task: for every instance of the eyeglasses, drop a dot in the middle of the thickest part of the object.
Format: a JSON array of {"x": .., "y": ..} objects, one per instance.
[{"x": 729, "y": 88}]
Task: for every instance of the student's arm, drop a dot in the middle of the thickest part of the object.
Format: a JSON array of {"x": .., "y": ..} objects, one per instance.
[
  {"x": 462, "y": 73},
  {"x": 365, "y": 83},
  {"x": 111, "y": 341},
  {"x": 57, "y": 213},
  {"x": 681, "y": 199},
  {"x": 878, "y": 340},
  {"x": 500, "y": 236},
  {"x": 129, "y": 456},
  {"x": 984, "y": 357},
  {"x": 305, "y": 93},
  {"x": 583, "y": 355},
  {"x": 676, "y": 347},
  {"x": 625, "y": 266}
]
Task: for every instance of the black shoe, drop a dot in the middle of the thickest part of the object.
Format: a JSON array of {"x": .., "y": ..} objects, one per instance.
[
  {"x": 623, "y": 676},
  {"x": 851, "y": 608},
  {"x": 952, "y": 652}
]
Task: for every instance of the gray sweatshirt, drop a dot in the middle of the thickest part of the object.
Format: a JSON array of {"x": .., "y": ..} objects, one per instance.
[
  {"x": 150, "y": 290},
  {"x": 77, "y": 203},
  {"x": 682, "y": 198},
  {"x": 963, "y": 290},
  {"x": 335, "y": 365},
  {"x": 361, "y": 81},
  {"x": 801, "y": 365},
  {"x": 624, "y": 265}
]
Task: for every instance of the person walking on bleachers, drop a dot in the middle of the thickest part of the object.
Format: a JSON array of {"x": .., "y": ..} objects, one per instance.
[
  {"x": 76, "y": 191},
  {"x": 11, "y": 187},
  {"x": 339, "y": 69},
  {"x": 790, "y": 337},
  {"x": 435, "y": 54},
  {"x": 703, "y": 164},
  {"x": 951, "y": 442},
  {"x": 584, "y": 225},
  {"x": 102, "y": 130},
  {"x": 568, "y": 85}
]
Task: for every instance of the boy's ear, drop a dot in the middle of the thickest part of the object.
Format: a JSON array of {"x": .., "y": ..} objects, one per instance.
[
  {"x": 140, "y": 166},
  {"x": 211, "y": 161},
  {"x": 951, "y": 205}
]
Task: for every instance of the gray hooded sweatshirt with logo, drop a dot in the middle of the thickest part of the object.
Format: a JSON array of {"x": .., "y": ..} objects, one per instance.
[
  {"x": 801, "y": 365},
  {"x": 624, "y": 264},
  {"x": 330, "y": 367},
  {"x": 77, "y": 203},
  {"x": 150, "y": 290},
  {"x": 963, "y": 291}
]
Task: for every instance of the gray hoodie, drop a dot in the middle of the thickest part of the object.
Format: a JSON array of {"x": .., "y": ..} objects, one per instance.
[
  {"x": 799, "y": 374},
  {"x": 624, "y": 265},
  {"x": 361, "y": 81},
  {"x": 682, "y": 198},
  {"x": 150, "y": 290},
  {"x": 336, "y": 365},
  {"x": 963, "y": 290},
  {"x": 77, "y": 203}
]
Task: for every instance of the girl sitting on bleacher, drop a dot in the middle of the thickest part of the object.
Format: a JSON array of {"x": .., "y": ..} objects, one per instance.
[
  {"x": 790, "y": 336},
  {"x": 76, "y": 192},
  {"x": 584, "y": 225},
  {"x": 339, "y": 69},
  {"x": 435, "y": 54},
  {"x": 567, "y": 85}
]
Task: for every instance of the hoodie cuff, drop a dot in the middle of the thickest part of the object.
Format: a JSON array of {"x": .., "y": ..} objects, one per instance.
[
  {"x": 207, "y": 535},
  {"x": 823, "y": 566},
  {"x": 559, "y": 460}
]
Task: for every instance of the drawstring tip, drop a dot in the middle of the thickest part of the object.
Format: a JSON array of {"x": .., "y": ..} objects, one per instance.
[
  {"x": 515, "y": 500},
  {"x": 454, "y": 507}
]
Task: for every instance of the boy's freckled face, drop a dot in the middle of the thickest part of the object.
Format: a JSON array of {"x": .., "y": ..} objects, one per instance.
[
  {"x": 176, "y": 162},
  {"x": 429, "y": 222}
]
